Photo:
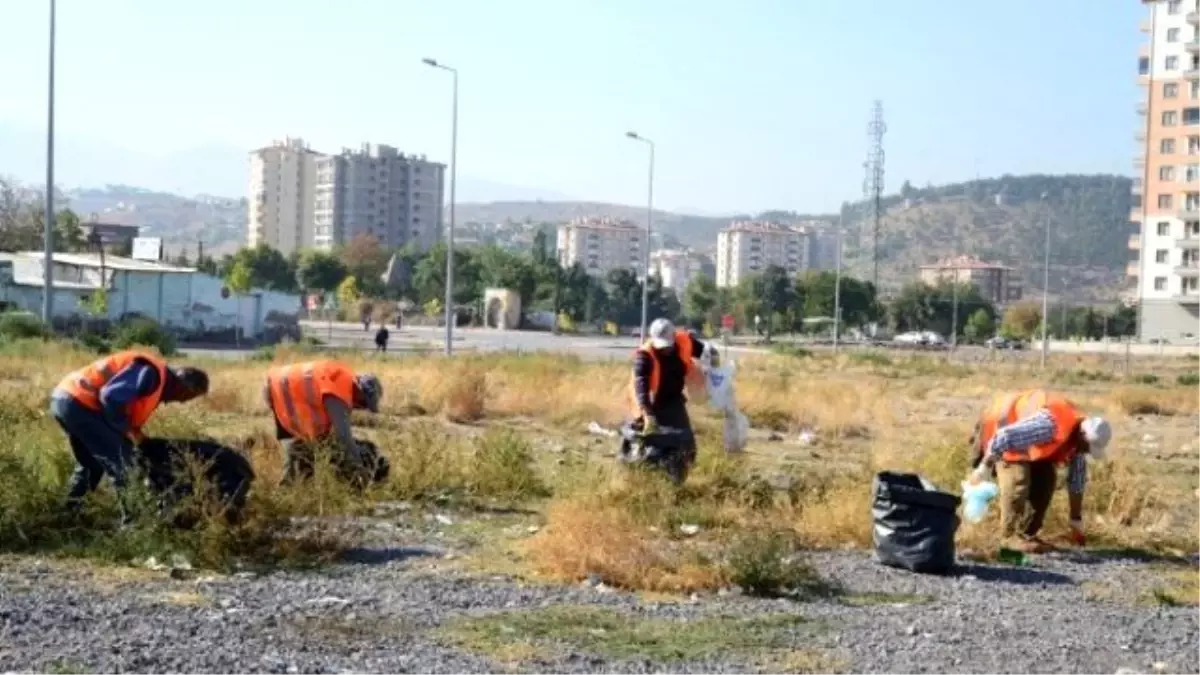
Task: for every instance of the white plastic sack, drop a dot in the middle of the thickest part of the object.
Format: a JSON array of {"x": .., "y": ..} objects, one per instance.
[
  {"x": 718, "y": 381},
  {"x": 737, "y": 431}
]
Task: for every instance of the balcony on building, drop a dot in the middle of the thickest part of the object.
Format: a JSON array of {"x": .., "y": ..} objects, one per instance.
[
  {"x": 1140, "y": 107},
  {"x": 1190, "y": 212},
  {"x": 1193, "y": 46},
  {"x": 1135, "y": 242},
  {"x": 1187, "y": 297},
  {"x": 1188, "y": 243},
  {"x": 1188, "y": 269},
  {"x": 1132, "y": 269},
  {"x": 1193, "y": 18},
  {"x": 1140, "y": 136}
]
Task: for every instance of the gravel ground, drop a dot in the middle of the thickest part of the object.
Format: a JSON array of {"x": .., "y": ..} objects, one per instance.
[{"x": 381, "y": 613}]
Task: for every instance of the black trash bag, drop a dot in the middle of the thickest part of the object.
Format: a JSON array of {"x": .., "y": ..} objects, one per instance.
[
  {"x": 914, "y": 524},
  {"x": 376, "y": 466},
  {"x": 167, "y": 464},
  {"x": 669, "y": 449}
]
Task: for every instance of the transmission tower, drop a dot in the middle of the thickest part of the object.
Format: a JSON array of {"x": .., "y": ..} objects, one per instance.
[{"x": 873, "y": 182}]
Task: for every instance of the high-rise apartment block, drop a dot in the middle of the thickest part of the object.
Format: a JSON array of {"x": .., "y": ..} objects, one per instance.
[
  {"x": 749, "y": 247},
  {"x": 675, "y": 268},
  {"x": 282, "y": 178},
  {"x": 601, "y": 245},
  {"x": 1166, "y": 199},
  {"x": 300, "y": 198},
  {"x": 380, "y": 192},
  {"x": 997, "y": 283}
]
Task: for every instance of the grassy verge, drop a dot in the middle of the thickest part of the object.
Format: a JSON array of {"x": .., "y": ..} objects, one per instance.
[{"x": 474, "y": 434}]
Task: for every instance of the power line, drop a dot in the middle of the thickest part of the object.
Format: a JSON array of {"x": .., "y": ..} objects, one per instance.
[{"x": 873, "y": 182}]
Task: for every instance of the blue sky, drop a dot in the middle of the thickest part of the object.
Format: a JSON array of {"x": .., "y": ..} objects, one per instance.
[{"x": 753, "y": 105}]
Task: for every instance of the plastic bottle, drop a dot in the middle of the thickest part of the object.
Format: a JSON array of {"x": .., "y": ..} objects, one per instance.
[{"x": 977, "y": 498}]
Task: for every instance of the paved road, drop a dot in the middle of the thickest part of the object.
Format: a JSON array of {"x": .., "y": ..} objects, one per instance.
[{"x": 418, "y": 339}]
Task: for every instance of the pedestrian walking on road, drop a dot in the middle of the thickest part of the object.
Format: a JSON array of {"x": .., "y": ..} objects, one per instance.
[{"x": 381, "y": 339}]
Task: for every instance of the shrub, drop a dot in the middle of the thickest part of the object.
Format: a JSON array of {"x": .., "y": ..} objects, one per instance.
[
  {"x": 768, "y": 564},
  {"x": 1146, "y": 378},
  {"x": 503, "y": 468},
  {"x": 19, "y": 326},
  {"x": 1188, "y": 379},
  {"x": 146, "y": 333}
]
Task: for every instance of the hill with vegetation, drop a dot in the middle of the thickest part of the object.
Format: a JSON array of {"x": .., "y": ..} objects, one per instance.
[{"x": 1004, "y": 220}]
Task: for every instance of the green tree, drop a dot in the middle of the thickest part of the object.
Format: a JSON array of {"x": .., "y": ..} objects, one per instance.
[
  {"x": 348, "y": 292},
  {"x": 68, "y": 233},
  {"x": 429, "y": 276},
  {"x": 700, "y": 300},
  {"x": 268, "y": 268},
  {"x": 320, "y": 271},
  {"x": 980, "y": 326},
  {"x": 238, "y": 280},
  {"x": 365, "y": 258},
  {"x": 1021, "y": 321}
]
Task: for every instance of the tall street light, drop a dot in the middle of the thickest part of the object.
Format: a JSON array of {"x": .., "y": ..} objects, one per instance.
[
  {"x": 1046, "y": 289},
  {"x": 649, "y": 217},
  {"x": 450, "y": 230},
  {"x": 48, "y": 224},
  {"x": 837, "y": 285}
]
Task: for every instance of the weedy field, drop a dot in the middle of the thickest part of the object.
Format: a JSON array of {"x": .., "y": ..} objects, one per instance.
[{"x": 506, "y": 537}]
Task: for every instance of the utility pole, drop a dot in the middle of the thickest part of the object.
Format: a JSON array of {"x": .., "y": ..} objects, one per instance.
[
  {"x": 450, "y": 313},
  {"x": 48, "y": 226},
  {"x": 649, "y": 219},
  {"x": 1045, "y": 288},
  {"x": 837, "y": 286}
]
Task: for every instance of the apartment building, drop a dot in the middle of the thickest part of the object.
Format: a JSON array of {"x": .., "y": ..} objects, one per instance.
[
  {"x": 601, "y": 245},
  {"x": 675, "y": 268},
  {"x": 998, "y": 283},
  {"x": 749, "y": 247},
  {"x": 380, "y": 192},
  {"x": 1166, "y": 200},
  {"x": 280, "y": 210}
]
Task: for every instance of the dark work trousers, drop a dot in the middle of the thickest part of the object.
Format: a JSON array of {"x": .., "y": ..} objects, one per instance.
[
  {"x": 673, "y": 413},
  {"x": 99, "y": 449}
]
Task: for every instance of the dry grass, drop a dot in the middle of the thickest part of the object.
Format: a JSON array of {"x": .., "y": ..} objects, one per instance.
[{"x": 868, "y": 412}]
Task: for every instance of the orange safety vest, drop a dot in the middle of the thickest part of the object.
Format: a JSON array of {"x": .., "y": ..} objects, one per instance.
[
  {"x": 84, "y": 386},
  {"x": 1006, "y": 409},
  {"x": 298, "y": 392},
  {"x": 683, "y": 345}
]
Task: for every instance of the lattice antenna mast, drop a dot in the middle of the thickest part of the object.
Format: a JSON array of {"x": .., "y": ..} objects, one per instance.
[{"x": 873, "y": 182}]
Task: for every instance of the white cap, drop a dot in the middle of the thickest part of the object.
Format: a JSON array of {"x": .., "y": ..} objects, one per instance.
[
  {"x": 662, "y": 334},
  {"x": 1097, "y": 432}
]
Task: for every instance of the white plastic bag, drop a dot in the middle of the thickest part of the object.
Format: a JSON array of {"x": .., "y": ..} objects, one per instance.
[
  {"x": 737, "y": 431},
  {"x": 718, "y": 381}
]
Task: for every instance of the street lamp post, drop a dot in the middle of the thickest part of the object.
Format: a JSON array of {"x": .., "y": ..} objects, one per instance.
[
  {"x": 837, "y": 287},
  {"x": 649, "y": 217},
  {"x": 450, "y": 314},
  {"x": 48, "y": 225},
  {"x": 1046, "y": 291}
]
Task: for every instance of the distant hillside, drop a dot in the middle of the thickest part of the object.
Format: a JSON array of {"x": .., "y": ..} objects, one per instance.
[
  {"x": 182, "y": 222},
  {"x": 1088, "y": 218}
]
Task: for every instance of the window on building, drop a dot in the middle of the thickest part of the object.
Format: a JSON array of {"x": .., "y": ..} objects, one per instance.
[
  {"x": 1192, "y": 173},
  {"x": 1161, "y": 256},
  {"x": 1169, "y": 118},
  {"x": 1167, "y": 146},
  {"x": 1190, "y": 285},
  {"x": 1191, "y": 116},
  {"x": 1166, "y": 173},
  {"x": 1194, "y": 89},
  {"x": 1164, "y": 228},
  {"x": 1171, "y": 90},
  {"x": 1191, "y": 228},
  {"x": 1173, "y": 6},
  {"x": 1165, "y": 201},
  {"x": 1160, "y": 283},
  {"x": 1172, "y": 35},
  {"x": 1193, "y": 145},
  {"x": 1191, "y": 202},
  {"x": 1171, "y": 63},
  {"x": 1143, "y": 66}
]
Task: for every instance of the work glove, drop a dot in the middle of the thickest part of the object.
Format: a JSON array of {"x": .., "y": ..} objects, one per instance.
[
  {"x": 649, "y": 425},
  {"x": 980, "y": 474},
  {"x": 1077, "y": 536}
]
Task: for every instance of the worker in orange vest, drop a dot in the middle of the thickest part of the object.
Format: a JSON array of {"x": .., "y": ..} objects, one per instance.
[
  {"x": 312, "y": 403},
  {"x": 1023, "y": 437},
  {"x": 662, "y": 366},
  {"x": 103, "y": 407}
]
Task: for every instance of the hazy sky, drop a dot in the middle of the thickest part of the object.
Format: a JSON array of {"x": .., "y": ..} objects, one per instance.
[{"x": 753, "y": 105}]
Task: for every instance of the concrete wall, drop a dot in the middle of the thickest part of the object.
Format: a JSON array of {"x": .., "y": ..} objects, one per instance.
[
  {"x": 1115, "y": 347},
  {"x": 1169, "y": 319}
]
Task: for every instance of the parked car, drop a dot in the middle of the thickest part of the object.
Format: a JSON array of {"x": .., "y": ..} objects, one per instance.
[{"x": 1001, "y": 342}]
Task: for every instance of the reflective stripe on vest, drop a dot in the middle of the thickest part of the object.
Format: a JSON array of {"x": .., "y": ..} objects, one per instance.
[
  {"x": 683, "y": 345},
  {"x": 298, "y": 391},
  {"x": 1010, "y": 408},
  {"x": 84, "y": 385}
]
